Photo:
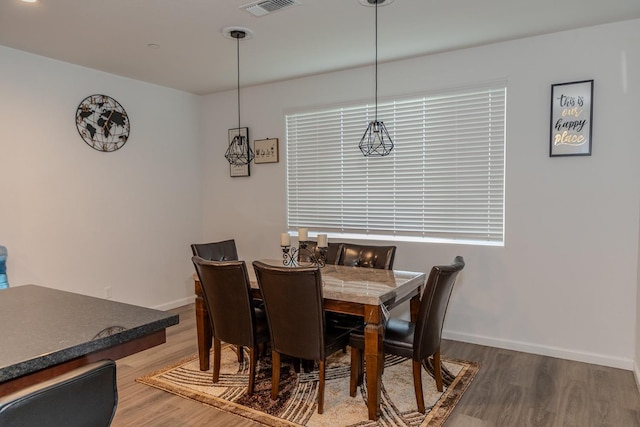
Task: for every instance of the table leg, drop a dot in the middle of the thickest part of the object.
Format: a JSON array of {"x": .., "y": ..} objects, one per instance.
[
  {"x": 414, "y": 307},
  {"x": 374, "y": 358},
  {"x": 203, "y": 327}
]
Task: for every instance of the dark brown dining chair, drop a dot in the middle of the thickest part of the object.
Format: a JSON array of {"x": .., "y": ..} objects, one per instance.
[
  {"x": 295, "y": 310},
  {"x": 419, "y": 340},
  {"x": 370, "y": 256},
  {"x": 233, "y": 316},
  {"x": 224, "y": 250},
  {"x": 85, "y": 396},
  {"x": 333, "y": 252},
  {"x": 216, "y": 251}
]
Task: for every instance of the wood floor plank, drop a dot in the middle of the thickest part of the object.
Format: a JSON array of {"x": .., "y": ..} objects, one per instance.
[
  {"x": 512, "y": 389},
  {"x": 556, "y": 392}
]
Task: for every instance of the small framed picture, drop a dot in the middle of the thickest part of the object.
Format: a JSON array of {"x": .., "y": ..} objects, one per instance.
[
  {"x": 571, "y": 118},
  {"x": 266, "y": 150}
]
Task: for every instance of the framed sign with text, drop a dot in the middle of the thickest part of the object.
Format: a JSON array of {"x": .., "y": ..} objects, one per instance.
[{"x": 571, "y": 118}]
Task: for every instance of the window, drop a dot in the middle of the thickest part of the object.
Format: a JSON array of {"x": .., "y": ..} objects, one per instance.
[{"x": 443, "y": 181}]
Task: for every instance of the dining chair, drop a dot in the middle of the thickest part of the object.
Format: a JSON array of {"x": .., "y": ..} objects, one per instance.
[
  {"x": 224, "y": 250},
  {"x": 333, "y": 252},
  {"x": 233, "y": 316},
  {"x": 216, "y": 251},
  {"x": 85, "y": 396},
  {"x": 415, "y": 340},
  {"x": 294, "y": 304},
  {"x": 367, "y": 256}
]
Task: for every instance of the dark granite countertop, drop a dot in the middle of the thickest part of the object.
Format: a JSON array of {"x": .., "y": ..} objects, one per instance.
[{"x": 42, "y": 327}]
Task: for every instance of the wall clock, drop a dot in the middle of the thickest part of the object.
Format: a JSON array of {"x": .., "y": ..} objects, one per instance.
[{"x": 102, "y": 123}]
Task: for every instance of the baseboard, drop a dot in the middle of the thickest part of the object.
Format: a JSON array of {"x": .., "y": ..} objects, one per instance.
[
  {"x": 636, "y": 374},
  {"x": 562, "y": 353},
  {"x": 176, "y": 303}
]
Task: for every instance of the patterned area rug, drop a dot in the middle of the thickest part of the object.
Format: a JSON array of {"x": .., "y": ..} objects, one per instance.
[{"x": 296, "y": 403}]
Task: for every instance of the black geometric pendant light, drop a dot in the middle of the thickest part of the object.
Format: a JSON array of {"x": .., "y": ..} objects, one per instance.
[
  {"x": 376, "y": 140},
  {"x": 239, "y": 152}
]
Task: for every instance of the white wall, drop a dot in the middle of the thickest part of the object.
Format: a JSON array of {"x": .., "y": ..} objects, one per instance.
[
  {"x": 565, "y": 283},
  {"x": 81, "y": 220}
]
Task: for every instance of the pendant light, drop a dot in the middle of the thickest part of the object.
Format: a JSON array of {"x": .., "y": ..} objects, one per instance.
[
  {"x": 239, "y": 152},
  {"x": 376, "y": 140}
]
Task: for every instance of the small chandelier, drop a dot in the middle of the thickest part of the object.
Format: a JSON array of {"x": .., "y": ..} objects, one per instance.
[
  {"x": 376, "y": 140},
  {"x": 239, "y": 152}
]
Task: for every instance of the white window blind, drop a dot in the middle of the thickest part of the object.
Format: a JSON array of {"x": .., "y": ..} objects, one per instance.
[{"x": 443, "y": 181}]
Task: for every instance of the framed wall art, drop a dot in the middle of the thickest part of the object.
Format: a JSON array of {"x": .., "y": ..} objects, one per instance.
[
  {"x": 266, "y": 150},
  {"x": 571, "y": 118}
]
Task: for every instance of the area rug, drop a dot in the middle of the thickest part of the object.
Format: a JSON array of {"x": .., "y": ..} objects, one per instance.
[{"x": 297, "y": 401}]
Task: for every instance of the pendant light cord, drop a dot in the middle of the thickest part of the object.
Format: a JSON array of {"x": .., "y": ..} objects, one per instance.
[
  {"x": 238, "y": 57},
  {"x": 376, "y": 73}
]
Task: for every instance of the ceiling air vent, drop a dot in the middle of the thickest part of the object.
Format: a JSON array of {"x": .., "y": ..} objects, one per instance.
[{"x": 261, "y": 8}]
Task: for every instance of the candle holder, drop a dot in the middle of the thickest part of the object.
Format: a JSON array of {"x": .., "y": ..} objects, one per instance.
[{"x": 290, "y": 255}]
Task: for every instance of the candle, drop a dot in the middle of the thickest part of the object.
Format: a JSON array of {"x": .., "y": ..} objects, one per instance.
[
  {"x": 285, "y": 239},
  {"x": 322, "y": 241},
  {"x": 303, "y": 234}
]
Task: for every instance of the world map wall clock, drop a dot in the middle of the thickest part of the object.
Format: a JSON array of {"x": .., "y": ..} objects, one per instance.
[{"x": 102, "y": 123}]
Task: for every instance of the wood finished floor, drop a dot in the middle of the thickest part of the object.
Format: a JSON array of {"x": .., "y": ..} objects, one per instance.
[{"x": 512, "y": 389}]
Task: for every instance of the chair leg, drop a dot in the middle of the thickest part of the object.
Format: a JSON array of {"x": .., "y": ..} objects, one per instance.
[
  {"x": 356, "y": 370},
  {"x": 321, "y": 386},
  {"x": 252, "y": 369},
  {"x": 417, "y": 384},
  {"x": 216, "y": 359},
  {"x": 275, "y": 374},
  {"x": 240, "y": 354},
  {"x": 437, "y": 368}
]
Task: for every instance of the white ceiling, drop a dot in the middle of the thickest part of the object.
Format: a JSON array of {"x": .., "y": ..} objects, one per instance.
[{"x": 314, "y": 37}]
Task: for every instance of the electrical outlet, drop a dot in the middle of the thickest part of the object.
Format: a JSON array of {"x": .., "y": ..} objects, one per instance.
[{"x": 107, "y": 292}]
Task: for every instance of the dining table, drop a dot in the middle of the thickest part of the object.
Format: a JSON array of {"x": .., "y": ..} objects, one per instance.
[
  {"x": 360, "y": 291},
  {"x": 46, "y": 332}
]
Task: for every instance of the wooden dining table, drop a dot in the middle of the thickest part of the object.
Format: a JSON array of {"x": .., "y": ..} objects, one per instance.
[{"x": 364, "y": 292}]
